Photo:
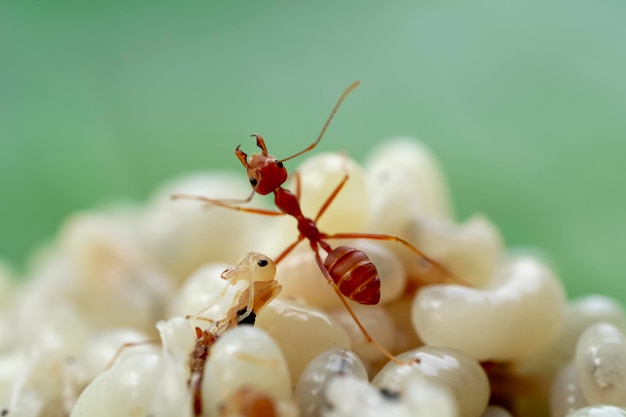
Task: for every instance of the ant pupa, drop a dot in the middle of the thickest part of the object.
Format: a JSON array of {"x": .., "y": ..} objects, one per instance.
[
  {"x": 348, "y": 270},
  {"x": 258, "y": 272}
]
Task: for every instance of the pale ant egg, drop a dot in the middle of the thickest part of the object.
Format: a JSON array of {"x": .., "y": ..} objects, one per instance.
[
  {"x": 244, "y": 356},
  {"x": 311, "y": 387},
  {"x": 302, "y": 332},
  {"x": 501, "y": 322},
  {"x": 460, "y": 374},
  {"x": 601, "y": 364},
  {"x": 565, "y": 393}
]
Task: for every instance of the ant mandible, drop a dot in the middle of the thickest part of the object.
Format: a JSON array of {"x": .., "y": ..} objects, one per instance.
[{"x": 348, "y": 270}]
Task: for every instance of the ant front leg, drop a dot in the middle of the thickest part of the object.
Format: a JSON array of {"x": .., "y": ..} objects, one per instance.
[
  {"x": 227, "y": 205},
  {"x": 389, "y": 238}
]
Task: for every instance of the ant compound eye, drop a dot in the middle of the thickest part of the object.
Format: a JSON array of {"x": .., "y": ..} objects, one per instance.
[
  {"x": 280, "y": 164},
  {"x": 262, "y": 262},
  {"x": 253, "y": 181}
]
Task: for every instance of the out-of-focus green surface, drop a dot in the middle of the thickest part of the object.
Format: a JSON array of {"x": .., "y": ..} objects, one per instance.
[{"x": 524, "y": 102}]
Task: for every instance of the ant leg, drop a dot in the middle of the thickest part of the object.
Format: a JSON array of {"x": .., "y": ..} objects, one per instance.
[
  {"x": 287, "y": 251},
  {"x": 225, "y": 204},
  {"x": 390, "y": 238},
  {"x": 125, "y": 346},
  {"x": 332, "y": 196},
  {"x": 369, "y": 338},
  {"x": 221, "y": 295}
]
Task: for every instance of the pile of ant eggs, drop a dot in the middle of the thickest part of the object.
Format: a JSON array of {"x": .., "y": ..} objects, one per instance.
[{"x": 100, "y": 325}]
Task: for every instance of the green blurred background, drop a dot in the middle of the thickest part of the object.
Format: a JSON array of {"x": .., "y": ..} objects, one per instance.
[{"x": 524, "y": 102}]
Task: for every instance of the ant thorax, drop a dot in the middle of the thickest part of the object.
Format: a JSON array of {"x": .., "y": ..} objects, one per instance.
[{"x": 265, "y": 173}]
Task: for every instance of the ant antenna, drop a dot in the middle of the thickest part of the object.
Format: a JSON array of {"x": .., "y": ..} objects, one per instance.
[{"x": 330, "y": 118}]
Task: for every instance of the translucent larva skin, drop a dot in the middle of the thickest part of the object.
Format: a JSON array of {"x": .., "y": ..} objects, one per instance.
[
  {"x": 565, "y": 394},
  {"x": 301, "y": 332},
  {"x": 244, "y": 356},
  {"x": 601, "y": 364},
  {"x": 452, "y": 315},
  {"x": 311, "y": 387},
  {"x": 301, "y": 278},
  {"x": 461, "y": 375},
  {"x": 599, "y": 411}
]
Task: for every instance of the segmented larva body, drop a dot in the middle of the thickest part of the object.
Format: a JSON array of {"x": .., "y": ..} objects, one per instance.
[{"x": 354, "y": 273}]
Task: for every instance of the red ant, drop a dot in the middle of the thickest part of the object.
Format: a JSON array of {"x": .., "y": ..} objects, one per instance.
[{"x": 348, "y": 270}]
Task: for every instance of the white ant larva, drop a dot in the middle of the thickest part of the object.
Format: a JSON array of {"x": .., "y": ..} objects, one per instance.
[
  {"x": 460, "y": 374},
  {"x": 601, "y": 364},
  {"x": 501, "y": 322},
  {"x": 565, "y": 394},
  {"x": 310, "y": 391}
]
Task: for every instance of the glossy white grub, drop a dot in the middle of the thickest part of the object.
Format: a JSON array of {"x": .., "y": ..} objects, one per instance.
[
  {"x": 244, "y": 356},
  {"x": 301, "y": 332},
  {"x": 460, "y": 374},
  {"x": 601, "y": 364},
  {"x": 506, "y": 315},
  {"x": 565, "y": 394},
  {"x": 130, "y": 388},
  {"x": 310, "y": 391}
]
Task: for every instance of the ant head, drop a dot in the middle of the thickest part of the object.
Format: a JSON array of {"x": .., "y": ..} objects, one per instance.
[{"x": 265, "y": 172}]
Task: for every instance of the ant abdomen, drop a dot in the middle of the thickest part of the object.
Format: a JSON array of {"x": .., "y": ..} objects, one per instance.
[{"x": 354, "y": 274}]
